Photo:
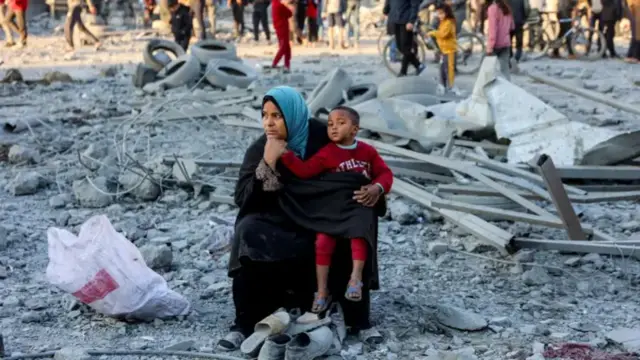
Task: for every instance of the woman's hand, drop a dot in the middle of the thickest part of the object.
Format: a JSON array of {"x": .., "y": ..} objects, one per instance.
[
  {"x": 273, "y": 149},
  {"x": 368, "y": 195}
]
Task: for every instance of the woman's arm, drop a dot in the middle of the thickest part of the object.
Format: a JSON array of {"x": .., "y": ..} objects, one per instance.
[{"x": 256, "y": 178}]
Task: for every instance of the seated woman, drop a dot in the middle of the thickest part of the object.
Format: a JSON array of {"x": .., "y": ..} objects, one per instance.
[{"x": 272, "y": 260}]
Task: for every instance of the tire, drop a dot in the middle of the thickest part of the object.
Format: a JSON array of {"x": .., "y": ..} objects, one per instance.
[
  {"x": 360, "y": 93},
  {"x": 383, "y": 38},
  {"x": 406, "y": 85},
  {"x": 224, "y": 72},
  {"x": 207, "y": 50},
  {"x": 144, "y": 75},
  {"x": 394, "y": 66},
  {"x": 160, "y": 44},
  {"x": 471, "y": 52},
  {"x": 614, "y": 151},
  {"x": 540, "y": 47},
  {"x": 579, "y": 42},
  {"x": 178, "y": 73},
  {"x": 329, "y": 92}
]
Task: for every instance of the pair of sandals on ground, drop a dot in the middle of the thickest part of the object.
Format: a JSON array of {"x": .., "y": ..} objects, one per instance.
[{"x": 322, "y": 300}]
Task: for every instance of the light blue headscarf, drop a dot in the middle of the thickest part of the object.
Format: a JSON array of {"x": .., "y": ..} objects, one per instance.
[{"x": 296, "y": 116}]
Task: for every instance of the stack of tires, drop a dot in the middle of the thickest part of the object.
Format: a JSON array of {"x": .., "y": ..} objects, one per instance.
[{"x": 166, "y": 65}]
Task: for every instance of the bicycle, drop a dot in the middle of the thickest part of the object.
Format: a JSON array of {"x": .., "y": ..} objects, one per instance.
[
  {"x": 576, "y": 37},
  {"x": 467, "y": 44}
]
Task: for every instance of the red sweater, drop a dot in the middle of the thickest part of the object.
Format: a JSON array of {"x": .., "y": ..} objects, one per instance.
[
  {"x": 19, "y": 5},
  {"x": 363, "y": 159},
  {"x": 280, "y": 14}
]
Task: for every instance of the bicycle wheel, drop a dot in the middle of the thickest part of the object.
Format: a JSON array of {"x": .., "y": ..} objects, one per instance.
[
  {"x": 539, "y": 47},
  {"x": 392, "y": 58},
  {"x": 383, "y": 38},
  {"x": 471, "y": 52},
  {"x": 587, "y": 43}
]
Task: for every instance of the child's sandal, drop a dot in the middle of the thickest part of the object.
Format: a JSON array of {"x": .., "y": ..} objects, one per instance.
[
  {"x": 354, "y": 291},
  {"x": 320, "y": 303}
]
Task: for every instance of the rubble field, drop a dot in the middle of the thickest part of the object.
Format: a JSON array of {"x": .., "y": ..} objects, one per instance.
[{"x": 477, "y": 260}]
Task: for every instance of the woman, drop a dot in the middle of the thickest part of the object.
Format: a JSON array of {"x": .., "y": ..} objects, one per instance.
[
  {"x": 272, "y": 257},
  {"x": 633, "y": 9},
  {"x": 499, "y": 37}
]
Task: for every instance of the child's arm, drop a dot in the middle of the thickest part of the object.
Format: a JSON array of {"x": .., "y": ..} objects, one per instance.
[
  {"x": 445, "y": 30},
  {"x": 380, "y": 172},
  {"x": 314, "y": 166}
]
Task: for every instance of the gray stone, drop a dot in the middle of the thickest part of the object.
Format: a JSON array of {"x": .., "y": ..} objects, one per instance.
[
  {"x": 3, "y": 273},
  {"x": 19, "y": 154},
  {"x": 437, "y": 248},
  {"x": 573, "y": 261},
  {"x": 142, "y": 186},
  {"x": 536, "y": 276},
  {"x": 93, "y": 197},
  {"x": 524, "y": 256},
  {"x": 93, "y": 155},
  {"x": 157, "y": 257},
  {"x": 71, "y": 354},
  {"x": 401, "y": 212},
  {"x": 629, "y": 338},
  {"x": 4, "y": 238},
  {"x": 460, "y": 319},
  {"x": 25, "y": 183},
  {"x": 181, "y": 346},
  {"x": 215, "y": 289},
  {"x": 59, "y": 201}
]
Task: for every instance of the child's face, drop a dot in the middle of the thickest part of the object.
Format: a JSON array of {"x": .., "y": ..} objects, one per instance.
[
  {"x": 340, "y": 128},
  {"x": 441, "y": 14}
]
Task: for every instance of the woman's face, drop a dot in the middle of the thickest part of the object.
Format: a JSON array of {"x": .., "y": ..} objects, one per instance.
[
  {"x": 441, "y": 14},
  {"x": 273, "y": 121}
]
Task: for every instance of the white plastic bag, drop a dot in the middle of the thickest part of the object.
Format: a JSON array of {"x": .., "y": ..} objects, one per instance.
[{"x": 102, "y": 269}]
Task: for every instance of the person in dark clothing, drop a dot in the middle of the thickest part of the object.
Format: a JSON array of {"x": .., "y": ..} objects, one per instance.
[
  {"x": 149, "y": 6},
  {"x": 74, "y": 18},
  {"x": 403, "y": 14},
  {"x": 301, "y": 15},
  {"x": 181, "y": 23},
  {"x": 566, "y": 9},
  {"x": 237, "y": 8},
  {"x": 520, "y": 12},
  {"x": 261, "y": 16},
  {"x": 611, "y": 13},
  {"x": 197, "y": 12},
  {"x": 272, "y": 253},
  {"x": 312, "y": 21},
  {"x": 595, "y": 8},
  {"x": 632, "y": 9}
]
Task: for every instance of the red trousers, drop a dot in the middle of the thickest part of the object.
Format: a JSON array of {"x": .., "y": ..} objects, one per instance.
[
  {"x": 325, "y": 245},
  {"x": 284, "y": 48}
]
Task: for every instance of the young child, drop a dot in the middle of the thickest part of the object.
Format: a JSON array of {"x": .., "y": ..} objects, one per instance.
[
  {"x": 344, "y": 153},
  {"x": 333, "y": 11},
  {"x": 181, "y": 23},
  {"x": 281, "y": 12},
  {"x": 445, "y": 36}
]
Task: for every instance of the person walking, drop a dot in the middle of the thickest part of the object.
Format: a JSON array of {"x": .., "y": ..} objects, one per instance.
[
  {"x": 333, "y": 11},
  {"x": 197, "y": 12},
  {"x": 281, "y": 12},
  {"x": 8, "y": 36},
  {"x": 595, "y": 9},
  {"x": 566, "y": 10},
  {"x": 300, "y": 15},
  {"x": 237, "y": 8},
  {"x": 211, "y": 14},
  {"x": 353, "y": 22},
  {"x": 74, "y": 18},
  {"x": 312, "y": 22},
  {"x": 261, "y": 16},
  {"x": 519, "y": 13},
  {"x": 633, "y": 11},
  {"x": 15, "y": 19},
  {"x": 402, "y": 15},
  {"x": 611, "y": 13},
  {"x": 501, "y": 26}
]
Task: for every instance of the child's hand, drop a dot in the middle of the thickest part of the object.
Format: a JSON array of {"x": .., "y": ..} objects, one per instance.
[{"x": 368, "y": 195}]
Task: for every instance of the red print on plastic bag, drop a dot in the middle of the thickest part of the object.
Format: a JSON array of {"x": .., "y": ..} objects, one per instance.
[{"x": 97, "y": 288}]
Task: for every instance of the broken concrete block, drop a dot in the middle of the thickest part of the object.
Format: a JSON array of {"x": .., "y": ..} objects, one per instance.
[
  {"x": 184, "y": 170},
  {"x": 401, "y": 212},
  {"x": 57, "y": 76},
  {"x": 536, "y": 276},
  {"x": 25, "y": 183},
  {"x": 181, "y": 346},
  {"x": 12, "y": 75},
  {"x": 157, "y": 257},
  {"x": 19, "y": 154},
  {"x": 437, "y": 248},
  {"x": 460, "y": 319},
  {"x": 92, "y": 195},
  {"x": 142, "y": 186},
  {"x": 91, "y": 154},
  {"x": 71, "y": 354},
  {"x": 627, "y": 337}
]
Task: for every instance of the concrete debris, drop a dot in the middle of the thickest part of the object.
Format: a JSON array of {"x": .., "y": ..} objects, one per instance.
[
  {"x": 92, "y": 193},
  {"x": 25, "y": 183},
  {"x": 157, "y": 257},
  {"x": 460, "y": 319},
  {"x": 629, "y": 338},
  {"x": 71, "y": 354},
  {"x": 22, "y": 155}
]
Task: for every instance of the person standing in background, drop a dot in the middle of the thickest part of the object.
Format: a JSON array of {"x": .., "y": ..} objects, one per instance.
[
  {"x": 459, "y": 8},
  {"x": 237, "y": 8},
  {"x": 353, "y": 22},
  {"x": 8, "y": 37},
  {"x": 519, "y": 14},
  {"x": 595, "y": 9},
  {"x": 74, "y": 18},
  {"x": 261, "y": 16},
  {"x": 611, "y": 13},
  {"x": 181, "y": 23},
  {"x": 149, "y": 6},
  {"x": 15, "y": 19},
  {"x": 300, "y": 16},
  {"x": 501, "y": 26},
  {"x": 633, "y": 11},
  {"x": 211, "y": 14},
  {"x": 566, "y": 9},
  {"x": 281, "y": 12},
  {"x": 534, "y": 18},
  {"x": 197, "y": 12},
  {"x": 333, "y": 11},
  {"x": 402, "y": 14},
  {"x": 312, "y": 22}
]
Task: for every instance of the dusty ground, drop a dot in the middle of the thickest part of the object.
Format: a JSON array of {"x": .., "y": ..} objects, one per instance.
[{"x": 562, "y": 298}]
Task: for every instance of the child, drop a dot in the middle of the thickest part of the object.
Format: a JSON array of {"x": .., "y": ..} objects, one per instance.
[
  {"x": 181, "y": 23},
  {"x": 344, "y": 153},
  {"x": 281, "y": 11},
  {"x": 446, "y": 39},
  {"x": 333, "y": 11}
]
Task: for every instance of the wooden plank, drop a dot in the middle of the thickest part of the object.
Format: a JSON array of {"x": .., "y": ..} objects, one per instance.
[
  {"x": 581, "y": 247},
  {"x": 484, "y": 231},
  {"x": 512, "y": 170},
  {"x": 559, "y": 197}
]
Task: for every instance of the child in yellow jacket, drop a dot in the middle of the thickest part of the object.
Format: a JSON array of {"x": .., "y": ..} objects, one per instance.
[{"x": 445, "y": 36}]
